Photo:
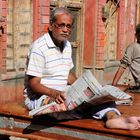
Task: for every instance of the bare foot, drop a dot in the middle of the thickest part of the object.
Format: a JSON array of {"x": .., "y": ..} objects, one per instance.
[{"x": 130, "y": 123}]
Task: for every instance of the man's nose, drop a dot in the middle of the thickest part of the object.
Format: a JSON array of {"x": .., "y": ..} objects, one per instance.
[{"x": 65, "y": 29}]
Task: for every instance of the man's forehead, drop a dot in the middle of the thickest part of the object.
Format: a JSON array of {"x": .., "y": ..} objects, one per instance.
[{"x": 63, "y": 16}]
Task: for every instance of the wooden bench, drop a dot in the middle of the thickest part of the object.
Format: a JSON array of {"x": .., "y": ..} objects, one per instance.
[{"x": 15, "y": 121}]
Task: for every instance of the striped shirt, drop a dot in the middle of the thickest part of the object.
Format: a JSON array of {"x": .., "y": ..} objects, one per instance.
[{"x": 46, "y": 61}]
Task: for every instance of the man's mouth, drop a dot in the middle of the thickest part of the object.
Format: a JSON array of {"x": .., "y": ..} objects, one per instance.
[{"x": 65, "y": 35}]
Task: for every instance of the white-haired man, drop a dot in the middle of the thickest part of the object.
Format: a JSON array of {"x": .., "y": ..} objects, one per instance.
[{"x": 48, "y": 74}]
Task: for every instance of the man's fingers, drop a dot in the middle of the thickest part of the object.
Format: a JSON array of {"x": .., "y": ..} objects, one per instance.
[
  {"x": 138, "y": 119},
  {"x": 63, "y": 96},
  {"x": 57, "y": 101},
  {"x": 60, "y": 99}
]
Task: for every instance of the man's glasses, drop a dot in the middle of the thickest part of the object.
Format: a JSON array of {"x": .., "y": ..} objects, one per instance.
[{"x": 62, "y": 26}]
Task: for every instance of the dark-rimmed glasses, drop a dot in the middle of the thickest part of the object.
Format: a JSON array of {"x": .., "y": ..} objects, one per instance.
[{"x": 62, "y": 26}]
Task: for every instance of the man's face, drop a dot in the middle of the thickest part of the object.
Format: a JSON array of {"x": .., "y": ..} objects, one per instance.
[{"x": 61, "y": 28}]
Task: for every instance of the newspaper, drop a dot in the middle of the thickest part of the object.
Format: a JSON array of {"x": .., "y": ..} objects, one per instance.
[{"x": 86, "y": 89}]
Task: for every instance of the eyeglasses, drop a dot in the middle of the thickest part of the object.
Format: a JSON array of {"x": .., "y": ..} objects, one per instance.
[{"x": 62, "y": 26}]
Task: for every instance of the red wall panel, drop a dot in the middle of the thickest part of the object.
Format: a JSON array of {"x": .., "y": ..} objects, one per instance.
[
  {"x": 89, "y": 32},
  {"x": 41, "y": 12}
]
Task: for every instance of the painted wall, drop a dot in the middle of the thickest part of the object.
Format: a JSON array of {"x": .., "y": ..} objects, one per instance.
[
  {"x": 12, "y": 82},
  {"x": 2, "y": 34},
  {"x": 40, "y": 17},
  {"x": 11, "y": 89},
  {"x": 126, "y": 22}
]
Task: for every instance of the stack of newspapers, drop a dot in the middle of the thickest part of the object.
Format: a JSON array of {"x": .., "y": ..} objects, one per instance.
[{"x": 86, "y": 89}]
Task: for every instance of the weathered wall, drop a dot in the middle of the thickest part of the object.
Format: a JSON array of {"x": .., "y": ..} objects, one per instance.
[
  {"x": 89, "y": 33},
  {"x": 125, "y": 25},
  {"x": 93, "y": 55},
  {"x": 40, "y": 17},
  {"x": 15, "y": 41},
  {"x": 2, "y": 35}
]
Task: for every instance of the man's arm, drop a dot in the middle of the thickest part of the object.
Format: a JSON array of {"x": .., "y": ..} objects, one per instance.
[
  {"x": 118, "y": 75},
  {"x": 71, "y": 78},
  {"x": 57, "y": 96}
]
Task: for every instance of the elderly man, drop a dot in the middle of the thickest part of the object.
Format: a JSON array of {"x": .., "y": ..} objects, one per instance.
[{"x": 48, "y": 75}]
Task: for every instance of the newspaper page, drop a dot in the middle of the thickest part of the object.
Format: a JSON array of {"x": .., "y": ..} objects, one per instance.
[{"x": 86, "y": 89}]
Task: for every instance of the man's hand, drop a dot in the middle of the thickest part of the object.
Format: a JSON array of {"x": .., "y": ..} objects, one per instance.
[
  {"x": 37, "y": 87},
  {"x": 58, "y": 96}
]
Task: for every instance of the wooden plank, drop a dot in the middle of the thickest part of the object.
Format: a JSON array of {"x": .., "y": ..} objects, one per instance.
[
  {"x": 28, "y": 128},
  {"x": 17, "y": 132},
  {"x": 14, "y": 109},
  {"x": 90, "y": 127}
]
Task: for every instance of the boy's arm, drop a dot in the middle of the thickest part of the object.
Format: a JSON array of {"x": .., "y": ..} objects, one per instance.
[{"x": 118, "y": 75}]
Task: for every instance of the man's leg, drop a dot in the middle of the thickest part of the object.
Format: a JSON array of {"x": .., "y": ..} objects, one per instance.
[
  {"x": 113, "y": 118},
  {"x": 99, "y": 111}
]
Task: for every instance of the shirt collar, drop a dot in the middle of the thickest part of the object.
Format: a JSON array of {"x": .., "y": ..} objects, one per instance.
[{"x": 50, "y": 43}]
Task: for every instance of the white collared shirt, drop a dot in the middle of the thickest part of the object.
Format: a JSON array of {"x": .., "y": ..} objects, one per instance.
[{"x": 45, "y": 60}]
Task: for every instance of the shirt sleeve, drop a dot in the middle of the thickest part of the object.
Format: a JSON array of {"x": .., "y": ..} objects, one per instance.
[
  {"x": 127, "y": 58},
  {"x": 72, "y": 65},
  {"x": 35, "y": 63},
  {"x": 70, "y": 54}
]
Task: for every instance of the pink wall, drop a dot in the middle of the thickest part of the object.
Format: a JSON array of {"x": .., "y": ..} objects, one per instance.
[
  {"x": 100, "y": 36},
  {"x": 93, "y": 36},
  {"x": 12, "y": 89},
  {"x": 41, "y": 12},
  {"x": 126, "y": 25},
  {"x": 3, "y": 36},
  {"x": 89, "y": 33}
]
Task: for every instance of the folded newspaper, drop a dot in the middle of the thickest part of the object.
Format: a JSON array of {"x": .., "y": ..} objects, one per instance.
[{"x": 86, "y": 89}]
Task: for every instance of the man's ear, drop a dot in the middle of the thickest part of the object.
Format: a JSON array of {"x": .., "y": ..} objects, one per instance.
[{"x": 50, "y": 27}]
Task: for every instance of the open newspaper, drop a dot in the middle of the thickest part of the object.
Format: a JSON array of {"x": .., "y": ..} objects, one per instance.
[{"x": 86, "y": 89}]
